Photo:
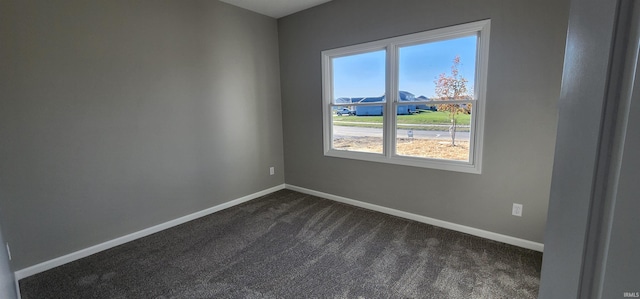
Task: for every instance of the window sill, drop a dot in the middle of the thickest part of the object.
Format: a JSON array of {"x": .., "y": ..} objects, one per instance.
[{"x": 448, "y": 165}]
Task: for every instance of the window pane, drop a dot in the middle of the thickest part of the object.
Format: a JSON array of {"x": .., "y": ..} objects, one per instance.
[
  {"x": 422, "y": 68},
  {"x": 445, "y": 71},
  {"x": 357, "y": 128},
  {"x": 359, "y": 78},
  {"x": 430, "y": 133}
]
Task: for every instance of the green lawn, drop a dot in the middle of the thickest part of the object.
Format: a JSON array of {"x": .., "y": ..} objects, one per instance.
[{"x": 425, "y": 117}]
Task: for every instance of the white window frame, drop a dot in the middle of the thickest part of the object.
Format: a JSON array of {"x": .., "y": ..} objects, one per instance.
[{"x": 391, "y": 45}]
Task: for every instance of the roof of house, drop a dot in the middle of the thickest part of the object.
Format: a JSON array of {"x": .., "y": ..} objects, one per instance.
[{"x": 404, "y": 96}]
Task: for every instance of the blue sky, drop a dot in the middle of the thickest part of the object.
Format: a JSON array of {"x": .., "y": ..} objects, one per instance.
[{"x": 362, "y": 75}]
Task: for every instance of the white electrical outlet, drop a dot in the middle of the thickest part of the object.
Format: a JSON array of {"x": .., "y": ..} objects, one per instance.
[
  {"x": 8, "y": 251},
  {"x": 516, "y": 210},
  {"x": 272, "y": 170}
]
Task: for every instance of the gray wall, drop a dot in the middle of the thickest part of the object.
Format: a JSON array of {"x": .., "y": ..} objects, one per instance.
[
  {"x": 525, "y": 66},
  {"x": 592, "y": 240},
  {"x": 622, "y": 270},
  {"x": 587, "y": 60},
  {"x": 119, "y": 115},
  {"x": 7, "y": 280}
]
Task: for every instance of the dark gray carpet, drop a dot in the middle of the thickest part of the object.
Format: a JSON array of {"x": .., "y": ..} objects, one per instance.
[{"x": 292, "y": 245}]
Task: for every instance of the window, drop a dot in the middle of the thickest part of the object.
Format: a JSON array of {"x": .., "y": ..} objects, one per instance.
[{"x": 414, "y": 100}]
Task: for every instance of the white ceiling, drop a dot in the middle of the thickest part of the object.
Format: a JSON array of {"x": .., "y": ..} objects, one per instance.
[{"x": 275, "y": 8}]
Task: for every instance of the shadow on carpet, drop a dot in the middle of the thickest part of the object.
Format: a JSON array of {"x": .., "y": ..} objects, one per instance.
[{"x": 292, "y": 245}]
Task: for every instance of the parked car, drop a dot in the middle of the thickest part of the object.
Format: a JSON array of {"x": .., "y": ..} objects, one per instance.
[{"x": 345, "y": 111}]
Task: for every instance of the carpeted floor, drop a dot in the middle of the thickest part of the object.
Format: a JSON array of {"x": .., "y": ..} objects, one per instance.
[{"x": 291, "y": 245}]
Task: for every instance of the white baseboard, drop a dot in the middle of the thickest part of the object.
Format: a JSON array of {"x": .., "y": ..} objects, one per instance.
[
  {"x": 440, "y": 223},
  {"x": 44, "y": 266}
]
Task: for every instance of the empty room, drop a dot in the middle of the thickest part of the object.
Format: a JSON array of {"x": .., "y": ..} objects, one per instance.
[{"x": 319, "y": 149}]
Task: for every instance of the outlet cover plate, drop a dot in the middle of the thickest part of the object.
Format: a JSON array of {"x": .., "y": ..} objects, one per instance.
[{"x": 516, "y": 210}]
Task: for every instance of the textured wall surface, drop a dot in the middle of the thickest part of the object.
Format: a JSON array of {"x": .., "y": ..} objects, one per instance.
[
  {"x": 120, "y": 115},
  {"x": 524, "y": 75}
]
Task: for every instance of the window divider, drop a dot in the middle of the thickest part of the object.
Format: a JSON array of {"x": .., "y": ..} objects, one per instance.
[{"x": 392, "y": 87}]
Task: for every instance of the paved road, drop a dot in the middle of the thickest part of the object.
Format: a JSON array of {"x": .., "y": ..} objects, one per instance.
[{"x": 343, "y": 131}]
